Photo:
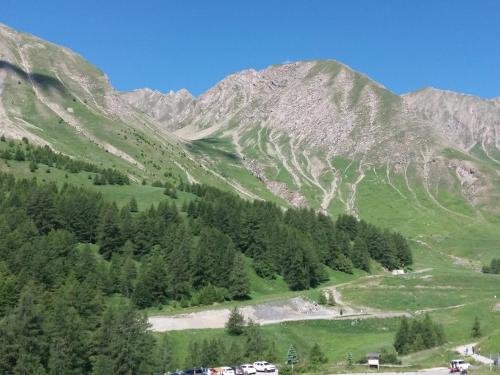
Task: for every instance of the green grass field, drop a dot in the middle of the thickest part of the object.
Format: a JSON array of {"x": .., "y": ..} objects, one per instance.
[{"x": 452, "y": 293}]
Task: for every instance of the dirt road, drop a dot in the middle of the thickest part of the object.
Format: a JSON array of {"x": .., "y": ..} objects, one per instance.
[
  {"x": 431, "y": 371},
  {"x": 293, "y": 309}
]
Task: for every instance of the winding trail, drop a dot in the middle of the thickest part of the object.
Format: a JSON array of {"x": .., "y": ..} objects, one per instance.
[{"x": 466, "y": 350}]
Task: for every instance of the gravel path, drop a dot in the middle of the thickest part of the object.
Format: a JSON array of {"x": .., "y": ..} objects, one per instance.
[
  {"x": 466, "y": 350},
  {"x": 294, "y": 309}
]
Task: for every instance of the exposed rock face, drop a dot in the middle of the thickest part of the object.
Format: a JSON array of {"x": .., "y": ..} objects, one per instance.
[
  {"x": 300, "y": 116},
  {"x": 464, "y": 120},
  {"x": 163, "y": 108},
  {"x": 309, "y": 132}
]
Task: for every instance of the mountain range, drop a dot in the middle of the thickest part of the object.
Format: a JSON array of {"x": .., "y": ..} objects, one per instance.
[{"x": 310, "y": 133}]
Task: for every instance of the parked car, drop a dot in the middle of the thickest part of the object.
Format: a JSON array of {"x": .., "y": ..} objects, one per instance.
[
  {"x": 238, "y": 370},
  {"x": 208, "y": 371},
  {"x": 224, "y": 370},
  {"x": 248, "y": 369},
  {"x": 263, "y": 366},
  {"x": 459, "y": 365},
  {"x": 193, "y": 371}
]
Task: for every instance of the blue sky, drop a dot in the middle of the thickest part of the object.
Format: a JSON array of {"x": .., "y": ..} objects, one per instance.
[{"x": 405, "y": 45}]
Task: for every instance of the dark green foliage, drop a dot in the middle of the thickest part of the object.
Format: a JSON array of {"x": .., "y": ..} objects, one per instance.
[
  {"x": 45, "y": 155},
  {"x": 151, "y": 288},
  {"x": 236, "y": 323},
  {"x": 33, "y": 166},
  {"x": 476, "y": 329},
  {"x": 19, "y": 154},
  {"x": 349, "y": 359},
  {"x": 360, "y": 255},
  {"x": 165, "y": 356},
  {"x": 292, "y": 356},
  {"x": 239, "y": 284},
  {"x": 316, "y": 355},
  {"x": 418, "y": 334},
  {"x": 494, "y": 267},
  {"x": 122, "y": 343},
  {"x": 64, "y": 251},
  {"x": 208, "y": 295},
  {"x": 255, "y": 344},
  {"x": 389, "y": 357},
  {"x": 109, "y": 235},
  {"x": 133, "y": 205}
]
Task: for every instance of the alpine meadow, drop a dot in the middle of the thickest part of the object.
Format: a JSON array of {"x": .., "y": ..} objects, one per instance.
[{"x": 302, "y": 215}]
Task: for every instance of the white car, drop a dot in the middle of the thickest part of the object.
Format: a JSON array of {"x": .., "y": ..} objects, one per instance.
[
  {"x": 459, "y": 365},
  {"x": 248, "y": 369},
  {"x": 263, "y": 366}
]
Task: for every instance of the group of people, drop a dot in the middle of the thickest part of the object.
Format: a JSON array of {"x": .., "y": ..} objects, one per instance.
[{"x": 472, "y": 350}]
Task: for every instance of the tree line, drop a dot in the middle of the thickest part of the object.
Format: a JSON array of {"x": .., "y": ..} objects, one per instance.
[
  {"x": 296, "y": 243},
  {"x": 24, "y": 151},
  {"x": 418, "y": 334},
  {"x": 65, "y": 251}
]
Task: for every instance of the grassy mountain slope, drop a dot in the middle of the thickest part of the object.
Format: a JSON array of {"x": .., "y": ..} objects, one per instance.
[
  {"x": 310, "y": 133},
  {"x": 320, "y": 134},
  {"x": 51, "y": 95}
]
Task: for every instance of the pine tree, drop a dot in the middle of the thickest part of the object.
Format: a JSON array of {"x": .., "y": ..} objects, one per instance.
[
  {"x": 110, "y": 236},
  {"x": 152, "y": 283},
  {"x": 476, "y": 329},
  {"x": 235, "y": 323},
  {"x": 401, "y": 340},
  {"x": 194, "y": 354},
  {"x": 235, "y": 354},
  {"x": 349, "y": 359},
  {"x": 179, "y": 268},
  {"x": 292, "y": 356},
  {"x": 24, "y": 341},
  {"x": 128, "y": 274},
  {"x": 255, "y": 344},
  {"x": 428, "y": 332},
  {"x": 33, "y": 166},
  {"x": 69, "y": 346},
  {"x": 165, "y": 354},
  {"x": 123, "y": 345},
  {"x": 41, "y": 208},
  {"x": 19, "y": 154},
  {"x": 316, "y": 355},
  {"x": 239, "y": 284},
  {"x": 359, "y": 255},
  {"x": 132, "y": 206},
  {"x": 403, "y": 251}
]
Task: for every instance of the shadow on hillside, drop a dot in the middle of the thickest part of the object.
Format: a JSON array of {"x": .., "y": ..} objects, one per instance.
[{"x": 42, "y": 81}]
